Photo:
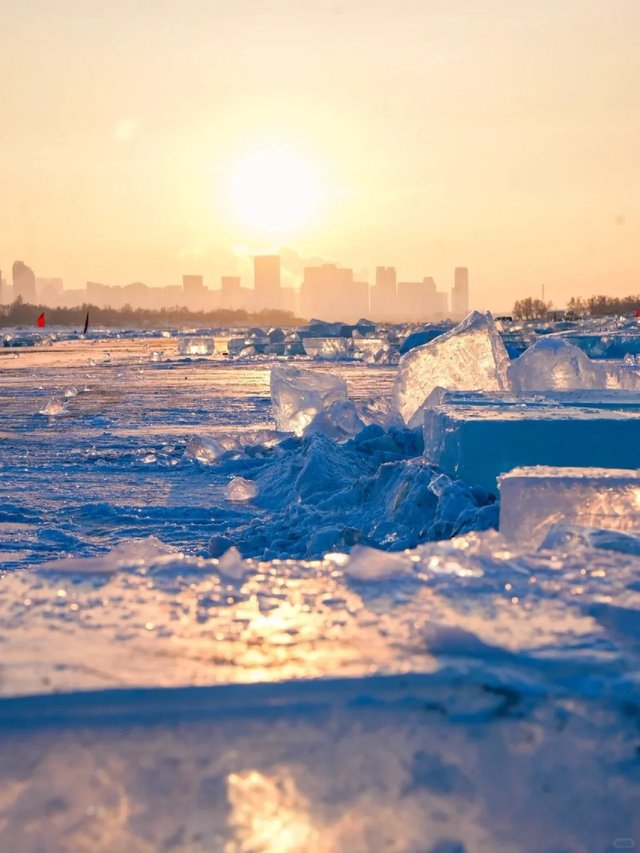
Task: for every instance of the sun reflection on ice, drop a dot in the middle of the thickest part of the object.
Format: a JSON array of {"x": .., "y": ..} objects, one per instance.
[{"x": 270, "y": 815}]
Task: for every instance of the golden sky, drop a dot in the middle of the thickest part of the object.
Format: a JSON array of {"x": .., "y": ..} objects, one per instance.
[{"x": 503, "y": 135}]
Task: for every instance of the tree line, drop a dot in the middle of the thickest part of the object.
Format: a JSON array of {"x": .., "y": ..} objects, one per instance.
[
  {"x": 594, "y": 306},
  {"x": 20, "y": 313}
]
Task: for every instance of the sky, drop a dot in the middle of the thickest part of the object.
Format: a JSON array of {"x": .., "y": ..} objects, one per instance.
[{"x": 501, "y": 135}]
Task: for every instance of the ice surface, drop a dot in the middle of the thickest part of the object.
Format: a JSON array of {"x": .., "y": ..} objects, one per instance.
[
  {"x": 468, "y": 694},
  {"x": 241, "y": 489},
  {"x": 469, "y": 356},
  {"x": 532, "y": 499},
  {"x": 196, "y": 346},
  {"x": 477, "y": 442},
  {"x": 297, "y": 396},
  {"x": 552, "y": 363}
]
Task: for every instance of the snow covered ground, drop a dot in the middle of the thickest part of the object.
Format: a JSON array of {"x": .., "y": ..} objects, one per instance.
[{"x": 314, "y": 664}]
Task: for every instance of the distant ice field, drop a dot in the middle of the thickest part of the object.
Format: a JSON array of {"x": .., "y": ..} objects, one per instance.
[{"x": 113, "y": 466}]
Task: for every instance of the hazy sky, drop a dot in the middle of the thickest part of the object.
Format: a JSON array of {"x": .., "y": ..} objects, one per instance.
[{"x": 499, "y": 134}]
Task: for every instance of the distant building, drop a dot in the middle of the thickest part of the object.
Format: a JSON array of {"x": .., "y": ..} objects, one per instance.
[
  {"x": 49, "y": 291},
  {"x": 384, "y": 294},
  {"x": 230, "y": 287},
  {"x": 329, "y": 292},
  {"x": 24, "y": 282},
  {"x": 460, "y": 293},
  {"x": 440, "y": 305},
  {"x": 267, "y": 292},
  {"x": 194, "y": 292}
]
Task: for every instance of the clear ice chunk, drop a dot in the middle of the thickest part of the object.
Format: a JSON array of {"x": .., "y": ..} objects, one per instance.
[
  {"x": 470, "y": 356},
  {"x": 241, "y": 489},
  {"x": 338, "y": 422},
  {"x": 297, "y": 396},
  {"x": 196, "y": 346},
  {"x": 533, "y": 499},
  {"x": 53, "y": 407},
  {"x": 205, "y": 450},
  {"x": 330, "y": 349}
]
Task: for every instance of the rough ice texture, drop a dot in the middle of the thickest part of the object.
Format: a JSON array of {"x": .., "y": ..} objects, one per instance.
[
  {"x": 469, "y": 357},
  {"x": 316, "y": 496},
  {"x": 297, "y": 396},
  {"x": 476, "y": 443},
  {"x": 533, "y": 499},
  {"x": 196, "y": 346},
  {"x": 552, "y": 363}
]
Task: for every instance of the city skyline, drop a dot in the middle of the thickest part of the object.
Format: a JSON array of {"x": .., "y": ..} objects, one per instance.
[
  {"x": 327, "y": 291},
  {"x": 422, "y": 132}
]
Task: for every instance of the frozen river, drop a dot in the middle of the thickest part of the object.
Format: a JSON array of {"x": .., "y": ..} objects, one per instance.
[{"x": 461, "y": 695}]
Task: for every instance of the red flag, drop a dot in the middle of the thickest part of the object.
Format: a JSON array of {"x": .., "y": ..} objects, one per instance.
[
  {"x": 638, "y": 313},
  {"x": 41, "y": 321}
]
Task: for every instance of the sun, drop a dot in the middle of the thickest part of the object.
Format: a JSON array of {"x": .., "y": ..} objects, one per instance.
[{"x": 274, "y": 192}]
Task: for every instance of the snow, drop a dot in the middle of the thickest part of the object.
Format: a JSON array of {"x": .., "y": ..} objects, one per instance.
[
  {"x": 470, "y": 356},
  {"x": 533, "y": 499}
]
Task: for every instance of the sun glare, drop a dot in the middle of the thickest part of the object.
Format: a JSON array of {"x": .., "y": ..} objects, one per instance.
[{"x": 274, "y": 192}]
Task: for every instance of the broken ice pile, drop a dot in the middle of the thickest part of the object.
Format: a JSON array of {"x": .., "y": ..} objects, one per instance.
[
  {"x": 563, "y": 410},
  {"x": 470, "y": 356},
  {"x": 312, "y": 401},
  {"x": 275, "y": 341},
  {"x": 196, "y": 346},
  {"x": 533, "y": 499}
]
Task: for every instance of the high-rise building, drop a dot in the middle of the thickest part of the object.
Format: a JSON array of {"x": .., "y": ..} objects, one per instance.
[
  {"x": 266, "y": 281},
  {"x": 383, "y": 294},
  {"x": 329, "y": 292},
  {"x": 460, "y": 293},
  {"x": 24, "y": 282},
  {"x": 49, "y": 291},
  {"x": 194, "y": 291}
]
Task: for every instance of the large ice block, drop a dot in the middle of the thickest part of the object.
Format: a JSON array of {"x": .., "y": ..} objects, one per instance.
[
  {"x": 329, "y": 349},
  {"x": 605, "y": 398},
  {"x": 552, "y": 363},
  {"x": 533, "y": 499},
  {"x": 470, "y": 356},
  {"x": 297, "y": 396},
  {"x": 196, "y": 346},
  {"x": 478, "y": 442}
]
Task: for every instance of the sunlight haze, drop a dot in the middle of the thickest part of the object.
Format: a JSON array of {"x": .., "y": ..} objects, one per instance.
[{"x": 140, "y": 140}]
